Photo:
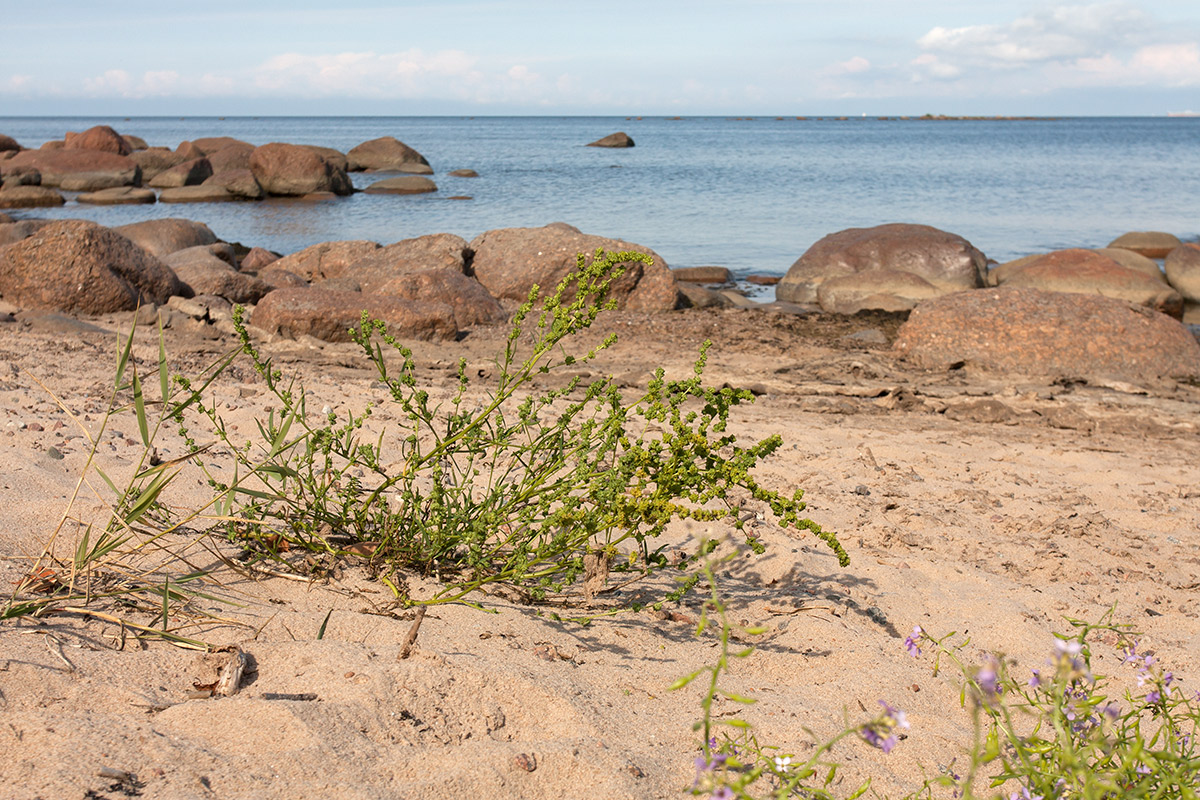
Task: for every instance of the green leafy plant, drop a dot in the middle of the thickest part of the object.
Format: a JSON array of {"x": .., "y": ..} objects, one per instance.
[{"x": 517, "y": 488}]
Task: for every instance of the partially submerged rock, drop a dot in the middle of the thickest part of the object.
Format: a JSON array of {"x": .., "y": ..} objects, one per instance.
[
  {"x": 118, "y": 195},
  {"x": 387, "y": 154},
  {"x": 30, "y": 197},
  {"x": 618, "y": 139},
  {"x": 161, "y": 237},
  {"x": 292, "y": 170},
  {"x": 1151, "y": 244},
  {"x": 409, "y": 184},
  {"x": 79, "y": 170}
]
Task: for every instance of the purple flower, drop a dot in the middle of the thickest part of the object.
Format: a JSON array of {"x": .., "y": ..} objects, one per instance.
[
  {"x": 1036, "y": 680},
  {"x": 874, "y": 738},
  {"x": 988, "y": 680},
  {"x": 1130, "y": 654},
  {"x": 1113, "y": 711},
  {"x": 911, "y": 642},
  {"x": 1170, "y": 676},
  {"x": 703, "y": 766},
  {"x": 1154, "y": 696}
]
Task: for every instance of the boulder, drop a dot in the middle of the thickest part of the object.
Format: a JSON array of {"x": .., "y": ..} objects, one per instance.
[
  {"x": 161, "y": 237},
  {"x": 5, "y": 219},
  {"x": 189, "y": 173},
  {"x": 702, "y": 274},
  {"x": 387, "y": 154},
  {"x": 435, "y": 251},
  {"x": 1183, "y": 271},
  {"x": 617, "y": 139},
  {"x": 509, "y": 261},
  {"x": 703, "y": 297},
  {"x": 8, "y": 143},
  {"x": 1151, "y": 244},
  {"x": 155, "y": 160},
  {"x": 82, "y": 268},
  {"x": 463, "y": 173},
  {"x": 327, "y": 259},
  {"x": 471, "y": 303},
  {"x": 79, "y": 168},
  {"x": 29, "y": 197},
  {"x": 1089, "y": 272},
  {"x": 1131, "y": 260},
  {"x": 119, "y": 195},
  {"x": 204, "y": 193},
  {"x": 258, "y": 258},
  {"x": 100, "y": 137},
  {"x": 189, "y": 151},
  {"x": 281, "y": 279},
  {"x": 234, "y": 156},
  {"x": 211, "y": 144},
  {"x": 239, "y": 183},
  {"x": 328, "y": 315},
  {"x": 204, "y": 272},
  {"x": 945, "y": 260},
  {"x": 1053, "y": 334},
  {"x": 409, "y": 184},
  {"x": 335, "y": 157},
  {"x": 289, "y": 170},
  {"x": 880, "y": 290},
  {"x": 21, "y": 176},
  {"x": 135, "y": 142},
  {"x": 16, "y": 230}
]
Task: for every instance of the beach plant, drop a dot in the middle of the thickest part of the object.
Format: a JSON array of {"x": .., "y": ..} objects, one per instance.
[
  {"x": 508, "y": 487},
  {"x": 1061, "y": 732}
]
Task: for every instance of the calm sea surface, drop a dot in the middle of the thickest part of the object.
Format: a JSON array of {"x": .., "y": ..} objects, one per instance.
[{"x": 751, "y": 195}]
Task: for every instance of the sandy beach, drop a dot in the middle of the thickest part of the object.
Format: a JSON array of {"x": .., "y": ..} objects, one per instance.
[{"x": 992, "y": 505}]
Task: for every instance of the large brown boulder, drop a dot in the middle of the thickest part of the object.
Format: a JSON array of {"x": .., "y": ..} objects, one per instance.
[
  {"x": 204, "y": 193},
  {"x": 100, "y": 137},
  {"x": 618, "y": 139},
  {"x": 212, "y": 144},
  {"x": 8, "y": 143},
  {"x": 509, "y": 261},
  {"x": 239, "y": 183},
  {"x": 234, "y": 156},
  {"x": 154, "y": 160},
  {"x": 329, "y": 315},
  {"x": 258, "y": 258},
  {"x": 1131, "y": 260},
  {"x": 387, "y": 154},
  {"x": 204, "y": 272},
  {"x": 72, "y": 169},
  {"x": 29, "y": 197},
  {"x": 189, "y": 173},
  {"x": 82, "y": 268},
  {"x": 1089, "y": 272},
  {"x": 944, "y": 260},
  {"x": 882, "y": 290},
  {"x": 435, "y": 251},
  {"x": 1052, "y": 334},
  {"x": 471, "y": 303},
  {"x": 333, "y": 156},
  {"x": 1151, "y": 244},
  {"x": 161, "y": 237},
  {"x": 1183, "y": 273},
  {"x": 290, "y": 170},
  {"x": 327, "y": 259}
]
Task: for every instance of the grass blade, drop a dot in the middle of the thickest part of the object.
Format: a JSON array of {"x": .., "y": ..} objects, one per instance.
[
  {"x": 321, "y": 632},
  {"x": 163, "y": 376},
  {"x": 123, "y": 361},
  {"x": 139, "y": 407}
]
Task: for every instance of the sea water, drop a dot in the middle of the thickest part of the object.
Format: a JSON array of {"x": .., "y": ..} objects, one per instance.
[{"x": 748, "y": 194}]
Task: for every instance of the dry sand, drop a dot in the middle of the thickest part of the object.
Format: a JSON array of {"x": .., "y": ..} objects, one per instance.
[{"x": 991, "y": 505}]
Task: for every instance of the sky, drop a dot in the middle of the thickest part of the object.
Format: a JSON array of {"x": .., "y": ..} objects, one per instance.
[{"x": 616, "y": 57}]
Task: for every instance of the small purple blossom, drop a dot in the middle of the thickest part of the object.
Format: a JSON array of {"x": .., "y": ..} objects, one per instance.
[
  {"x": 911, "y": 642},
  {"x": 988, "y": 680},
  {"x": 1036, "y": 680},
  {"x": 880, "y": 732},
  {"x": 1112, "y": 711},
  {"x": 1154, "y": 696}
]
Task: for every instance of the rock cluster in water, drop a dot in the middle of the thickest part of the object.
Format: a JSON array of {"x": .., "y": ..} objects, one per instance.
[{"x": 1108, "y": 310}]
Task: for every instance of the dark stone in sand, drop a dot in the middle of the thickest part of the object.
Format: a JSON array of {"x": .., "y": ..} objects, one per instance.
[
  {"x": 617, "y": 139},
  {"x": 328, "y": 315},
  {"x": 1051, "y": 334},
  {"x": 944, "y": 260},
  {"x": 29, "y": 197},
  {"x": 471, "y": 303},
  {"x": 509, "y": 261},
  {"x": 290, "y": 170},
  {"x": 82, "y": 268},
  {"x": 161, "y": 237},
  {"x": 409, "y": 184}
]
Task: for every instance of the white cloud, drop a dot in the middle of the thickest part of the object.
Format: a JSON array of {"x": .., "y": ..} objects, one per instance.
[
  {"x": 851, "y": 66},
  {"x": 404, "y": 74},
  {"x": 927, "y": 65},
  {"x": 17, "y": 83}
]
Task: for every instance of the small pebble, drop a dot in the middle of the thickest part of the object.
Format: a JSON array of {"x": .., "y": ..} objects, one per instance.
[
  {"x": 54, "y": 453},
  {"x": 349, "y": 675},
  {"x": 862, "y": 490},
  {"x": 34, "y": 426}
]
